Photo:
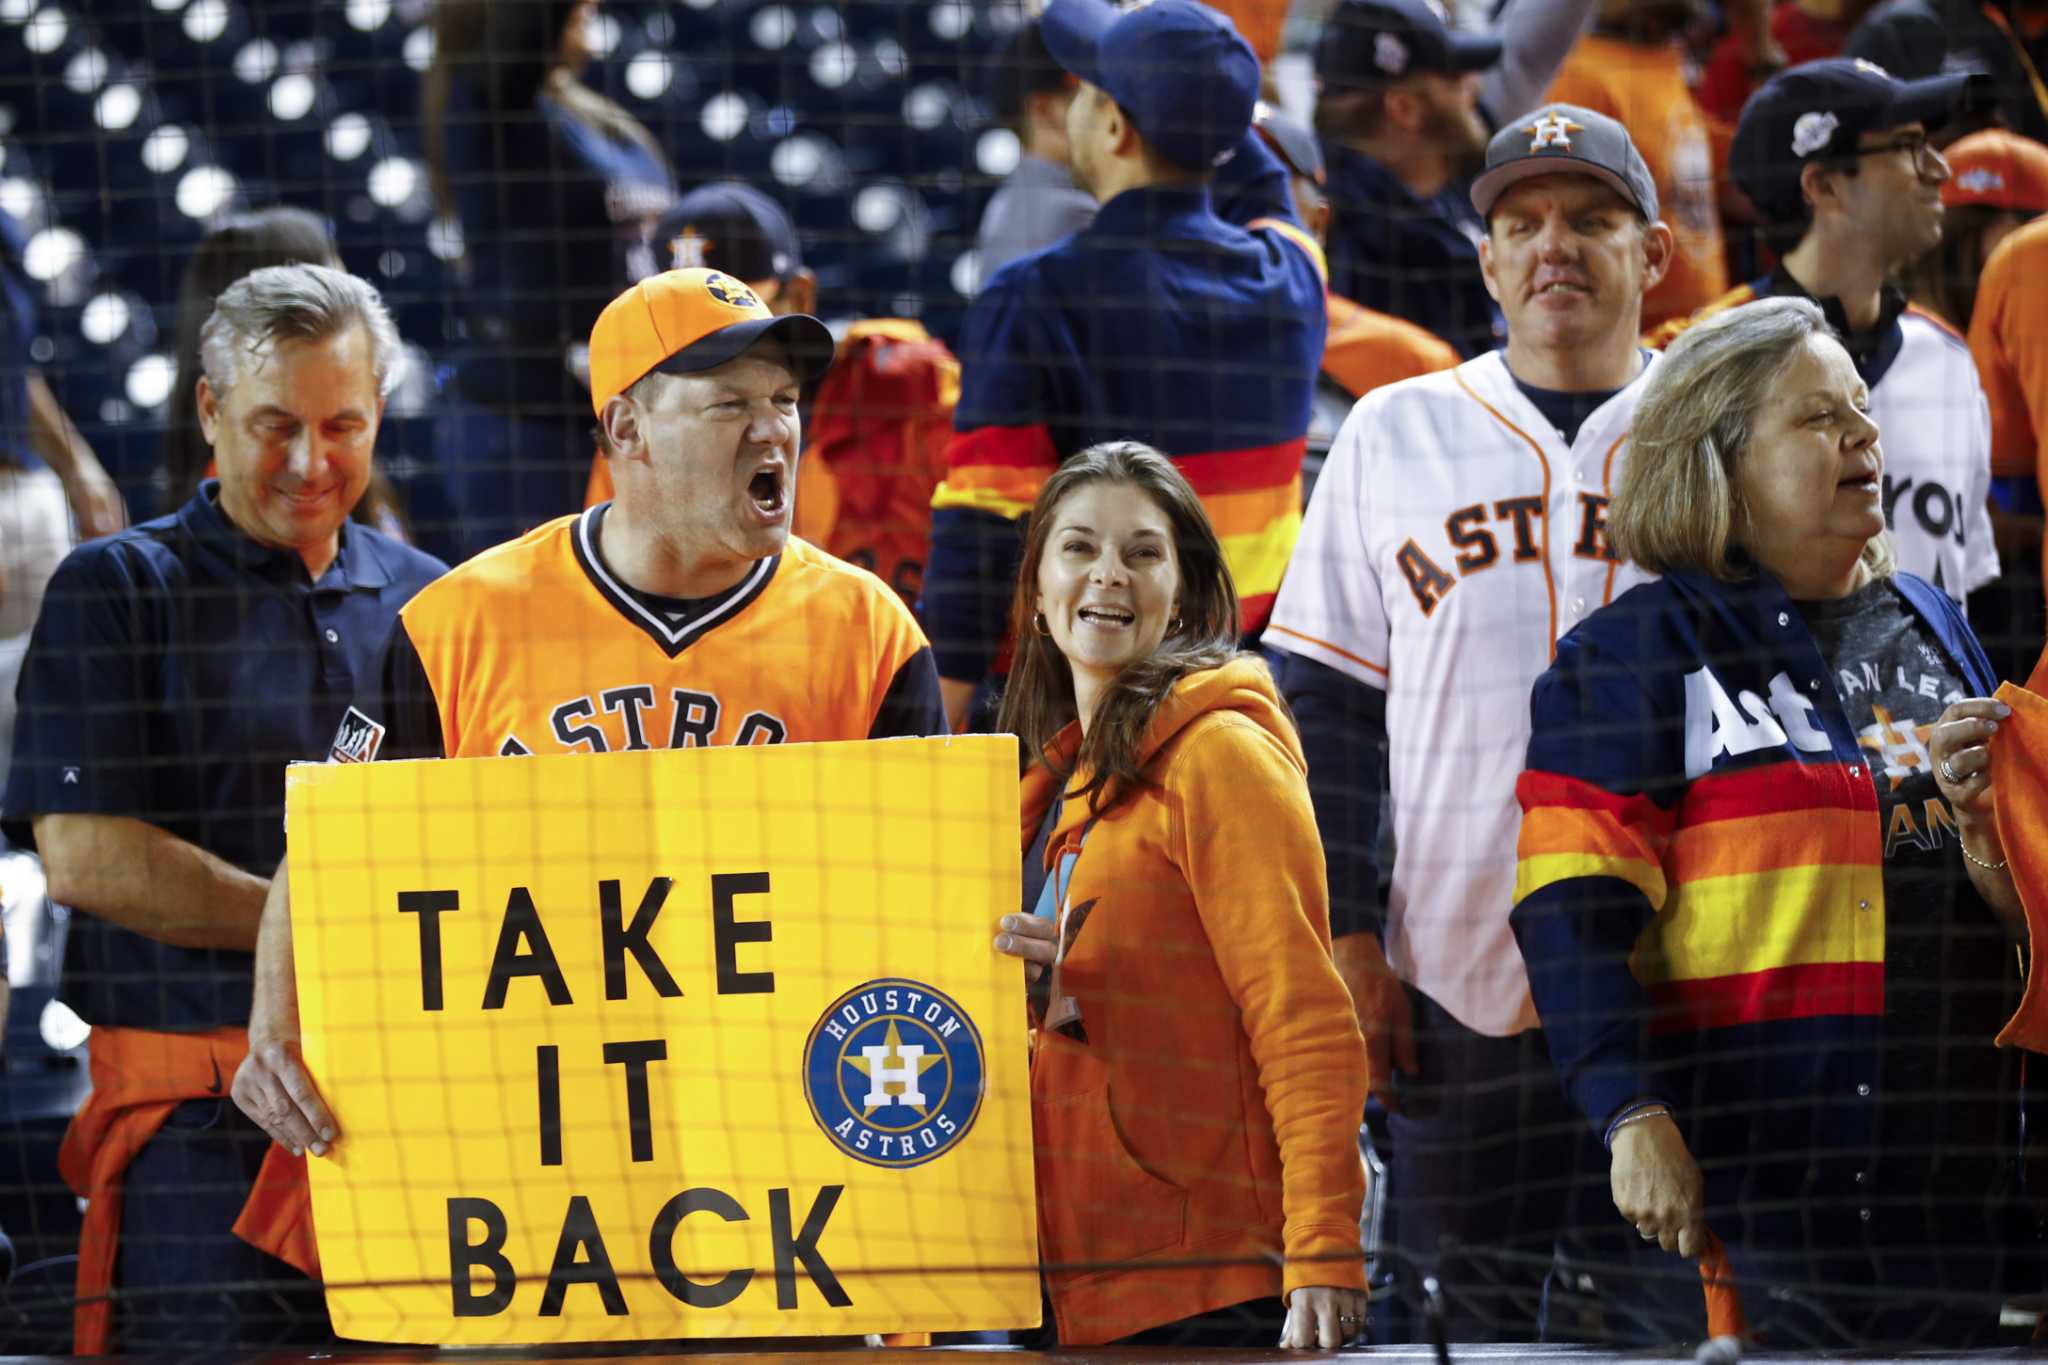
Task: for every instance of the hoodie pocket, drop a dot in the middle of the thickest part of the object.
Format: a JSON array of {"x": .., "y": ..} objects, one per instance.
[{"x": 1098, "y": 1203}]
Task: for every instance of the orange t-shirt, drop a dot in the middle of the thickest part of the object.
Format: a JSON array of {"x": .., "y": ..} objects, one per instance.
[
  {"x": 1366, "y": 349},
  {"x": 1644, "y": 88},
  {"x": 2009, "y": 341}
]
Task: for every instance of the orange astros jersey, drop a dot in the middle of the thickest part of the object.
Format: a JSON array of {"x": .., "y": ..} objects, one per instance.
[{"x": 536, "y": 646}]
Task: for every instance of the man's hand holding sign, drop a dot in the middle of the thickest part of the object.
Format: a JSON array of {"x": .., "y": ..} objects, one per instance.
[{"x": 587, "y": 1073}]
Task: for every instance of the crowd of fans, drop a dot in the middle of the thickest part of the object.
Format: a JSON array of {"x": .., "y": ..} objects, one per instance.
[{"x": 1579, "y": 761}]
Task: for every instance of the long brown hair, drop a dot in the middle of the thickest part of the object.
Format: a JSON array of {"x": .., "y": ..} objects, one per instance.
[
  {"x": 509, "y": 50},
  {"x": 1039, "y": 701}
]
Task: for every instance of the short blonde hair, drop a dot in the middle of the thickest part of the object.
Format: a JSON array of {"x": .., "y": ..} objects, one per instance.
[{"x": 1679, "y": 508}]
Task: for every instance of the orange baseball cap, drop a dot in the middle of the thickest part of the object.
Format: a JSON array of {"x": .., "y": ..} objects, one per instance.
[
  {"x": 687, "y": 321},
  {"x": 1998, "y": 168}
]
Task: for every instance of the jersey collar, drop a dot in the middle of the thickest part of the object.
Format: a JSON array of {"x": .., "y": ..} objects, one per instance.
[{"x": 673, "y": 623}]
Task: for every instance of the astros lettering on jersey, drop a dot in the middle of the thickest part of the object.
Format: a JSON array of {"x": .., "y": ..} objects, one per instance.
[
  {"x": 1452, "y": 538},
  {"x": 538, "y": 647}
]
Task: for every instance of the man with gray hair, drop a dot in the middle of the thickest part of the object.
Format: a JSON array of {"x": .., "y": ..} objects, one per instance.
[{"x": 175, "y": 670}]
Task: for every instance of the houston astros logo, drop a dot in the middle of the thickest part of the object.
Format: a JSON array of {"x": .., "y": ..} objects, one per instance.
[
  {"x": 1553, "y": 130},
  {"x": 687, "y": 250},
  {"x": 729, "y": 291},
  {"x": 893, "y": 1071}
]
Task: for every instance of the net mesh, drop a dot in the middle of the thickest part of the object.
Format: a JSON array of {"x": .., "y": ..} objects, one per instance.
[{"x": 146, "y": 150}]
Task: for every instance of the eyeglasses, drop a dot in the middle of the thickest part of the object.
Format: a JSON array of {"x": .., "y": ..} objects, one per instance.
[{"x": 1926, "y": 160}]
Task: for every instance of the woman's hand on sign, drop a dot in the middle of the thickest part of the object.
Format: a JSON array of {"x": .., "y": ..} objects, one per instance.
[
  {"x": 1322, "y": 1316},
  {"x": 1030, "y": 937},
  {"x": 273, "y": 1087}
]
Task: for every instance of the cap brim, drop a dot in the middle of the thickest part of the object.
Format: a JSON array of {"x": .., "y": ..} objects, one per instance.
[
  {"x": 1072, "y": 31},
  {"x": 1474, "y": 51},
  {"x": 809, "y": 343},
  {"x": 1931, "y": 102},
  {"x": 1491, "y": 185}
]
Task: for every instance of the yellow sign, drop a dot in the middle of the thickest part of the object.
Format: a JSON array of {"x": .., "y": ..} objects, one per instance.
[{"x": 691, "y": 1043}]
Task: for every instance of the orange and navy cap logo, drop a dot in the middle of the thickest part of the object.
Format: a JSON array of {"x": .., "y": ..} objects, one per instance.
[
  {"x": 730, "y": 291},
  {"x": 687, "y": 251},
  {"x": 1552, "y": 130}
]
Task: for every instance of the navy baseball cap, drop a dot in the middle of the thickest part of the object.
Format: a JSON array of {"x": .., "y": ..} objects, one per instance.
[
  {"x": 1563, "y": 139},
  {"x": 1369, "y": 43},
  {"x": 1292, "y": 142},
  {"x": 1179, "y": 69},
  {"x": 730, "y": 227},
  {"x": 1820, "y": 111}
]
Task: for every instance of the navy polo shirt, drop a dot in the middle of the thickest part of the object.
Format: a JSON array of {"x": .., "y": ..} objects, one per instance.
[
  {"x": 1414, "y": 258},
  {"x": 175, "y": 670}
]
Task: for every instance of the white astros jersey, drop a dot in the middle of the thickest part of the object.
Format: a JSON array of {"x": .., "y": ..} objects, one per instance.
[
  {"x": 1452, "y": 538},
  {"x": 1935, "y": 428}
]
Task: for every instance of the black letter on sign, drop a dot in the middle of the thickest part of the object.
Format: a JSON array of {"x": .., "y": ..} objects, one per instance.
[
  {"x": 429, "y": 906},
  {"x": 661, "y": 1248},
  {"x": 579, "y": 1232},
  {"x": 636, "y": 1056},
  {"x": 633, "y": 938},
  {"x": 464, "y": 1257},
  {"x": 522, "y": 921},
  {"x": 547, "y": 1067},
  {"x": 728, "y": 934},
  {"x": 804, "y": 1248}
]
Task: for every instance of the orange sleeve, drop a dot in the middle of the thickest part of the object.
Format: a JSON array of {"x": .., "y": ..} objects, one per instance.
[
  {"x": 1366, "y": 349},
  {"x": 2011, "y": 355},
  {"x": 1246, "y": 839},
  {"x": 1260, "y": 21},
  {"x": 1579, "y": 82}
]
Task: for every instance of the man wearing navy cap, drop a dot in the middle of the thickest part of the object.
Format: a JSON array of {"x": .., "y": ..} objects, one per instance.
[
  {"x": 1455, "y": 534},
  {"x": 1835, "y": 155},
  {"x": 1405, "y": 106},
  {"x": 1195, "y": 331}
]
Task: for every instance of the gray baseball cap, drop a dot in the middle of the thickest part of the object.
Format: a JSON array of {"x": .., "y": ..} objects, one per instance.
[{"x": 1563, "y": 139}]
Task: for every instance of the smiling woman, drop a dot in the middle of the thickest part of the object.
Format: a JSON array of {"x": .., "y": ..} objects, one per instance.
[
  {"x": 1161, "y": 769},
  {"x": 1763, "y": 900}
]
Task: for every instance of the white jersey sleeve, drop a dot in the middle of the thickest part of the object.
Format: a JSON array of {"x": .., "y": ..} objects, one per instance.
[
  {"x": 1980, "y": 564},
  {"x": 1330, "y": 607}
]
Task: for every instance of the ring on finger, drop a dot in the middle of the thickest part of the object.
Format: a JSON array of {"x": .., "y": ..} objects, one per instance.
[
  {"x": 1950, "y": 775},
  {"x": 1646, "y": 1234}
]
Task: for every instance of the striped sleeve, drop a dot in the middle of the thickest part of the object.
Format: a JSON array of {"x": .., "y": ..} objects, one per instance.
[
  {"x": 1590, "y": 873},
  {"x": 1000, "y": 455}
]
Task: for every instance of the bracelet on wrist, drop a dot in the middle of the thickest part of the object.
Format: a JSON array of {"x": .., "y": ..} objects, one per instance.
[
  {"x": 1635, "y": 1113},
  {"x": 1998, "y": 866}
]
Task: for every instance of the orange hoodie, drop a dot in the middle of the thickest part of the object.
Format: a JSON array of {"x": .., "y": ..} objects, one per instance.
[{"x": 1199, "y": 1148}]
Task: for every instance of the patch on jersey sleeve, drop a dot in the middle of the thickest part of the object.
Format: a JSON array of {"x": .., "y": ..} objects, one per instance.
[{"x": 358, "y": 739}]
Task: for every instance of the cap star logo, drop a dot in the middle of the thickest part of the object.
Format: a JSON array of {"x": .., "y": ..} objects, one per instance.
[
  {"x": 730, "y": 291},
  {"x": 1553, "y": 130},
  {"x": 1813, "y": 131},
  {"x": 1390, "y": 54},
  {"x": 1980, "y": 180},
  {"x": 687, "y": 251}
]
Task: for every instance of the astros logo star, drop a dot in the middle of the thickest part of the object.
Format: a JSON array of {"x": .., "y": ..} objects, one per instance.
[
  {"x": 1552, "y": 130},
  {"x": 687, "y": 251}
]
